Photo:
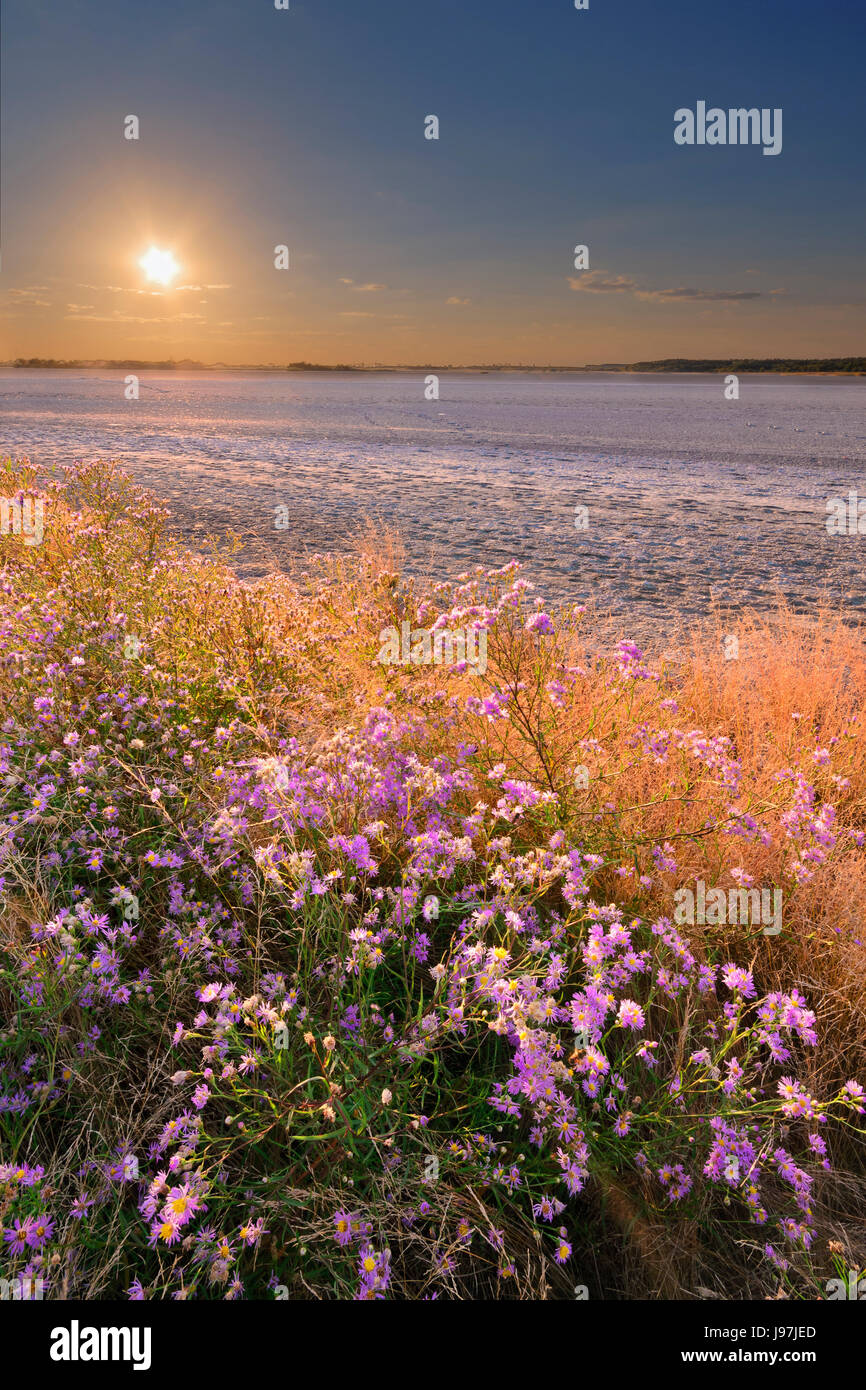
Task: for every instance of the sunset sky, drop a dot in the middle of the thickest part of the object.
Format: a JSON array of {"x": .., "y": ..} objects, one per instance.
[{"x": 305, "y": 127}]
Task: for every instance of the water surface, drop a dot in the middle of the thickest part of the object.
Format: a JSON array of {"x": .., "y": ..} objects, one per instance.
[{"x": 693, "y": 500}]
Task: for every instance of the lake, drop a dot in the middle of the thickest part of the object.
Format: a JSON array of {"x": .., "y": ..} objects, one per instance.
[{"x": 692, "y": 500}]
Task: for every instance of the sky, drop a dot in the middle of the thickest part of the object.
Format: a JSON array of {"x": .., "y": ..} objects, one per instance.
[{"x": 305, "y": 128}]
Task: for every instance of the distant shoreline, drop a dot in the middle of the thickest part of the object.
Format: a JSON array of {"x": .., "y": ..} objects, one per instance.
[{"x": 831, "y": 366}]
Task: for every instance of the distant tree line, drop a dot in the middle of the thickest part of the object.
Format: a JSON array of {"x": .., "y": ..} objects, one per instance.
[
  {"x": 852, "y": 365},
  {"x": 753, "y": 364},
  {"x": 120, "y": 363}
]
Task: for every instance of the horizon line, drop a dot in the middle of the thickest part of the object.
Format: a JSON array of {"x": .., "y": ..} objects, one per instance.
[{"x": 849, "y": 364}]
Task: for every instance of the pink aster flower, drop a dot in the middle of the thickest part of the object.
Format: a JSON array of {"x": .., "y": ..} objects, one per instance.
[
  {"x": 630, "y": 1014},
  {"x": 740, "y": 981},
  {"x": 164, "y": 1232},
  {"x": 253, "y": 1231},
  {"x": 539, "y": 622}
]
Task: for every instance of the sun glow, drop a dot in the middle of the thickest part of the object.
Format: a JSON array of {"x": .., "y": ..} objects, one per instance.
[{"x": 159, "y": 266}]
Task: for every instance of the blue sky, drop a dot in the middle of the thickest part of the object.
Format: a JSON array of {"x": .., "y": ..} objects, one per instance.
[{"x": 305, "y": 127}]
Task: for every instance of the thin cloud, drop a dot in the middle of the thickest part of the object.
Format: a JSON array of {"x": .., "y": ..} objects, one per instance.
[
  {"x": 179, "y": 289},
  {"x": 30, "y": 295},
  {"x": 369, "y": 286},
  {"x": 137, "y": 289},
  {"x": 117, "y": 317},
  {"x": 455, "y": 299},
  {"x": 602, "y": 282},
  {"x": 700, "y": 296}
]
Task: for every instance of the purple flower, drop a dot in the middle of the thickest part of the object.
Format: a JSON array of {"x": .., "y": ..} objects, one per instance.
[
  {"x": 539, "y": 622},
  {"x": 740, "y": 981},
  {"x": 18, "y": 1235},
  {"x": 630, "y": 1014},
  {"x": 41, "y": 1229},
  {"x": 421, "y": 947},
  {"x": 346, "y": 1225}
]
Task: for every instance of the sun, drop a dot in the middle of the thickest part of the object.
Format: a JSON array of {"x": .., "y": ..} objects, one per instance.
[{"x": 159, "y": 265}]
